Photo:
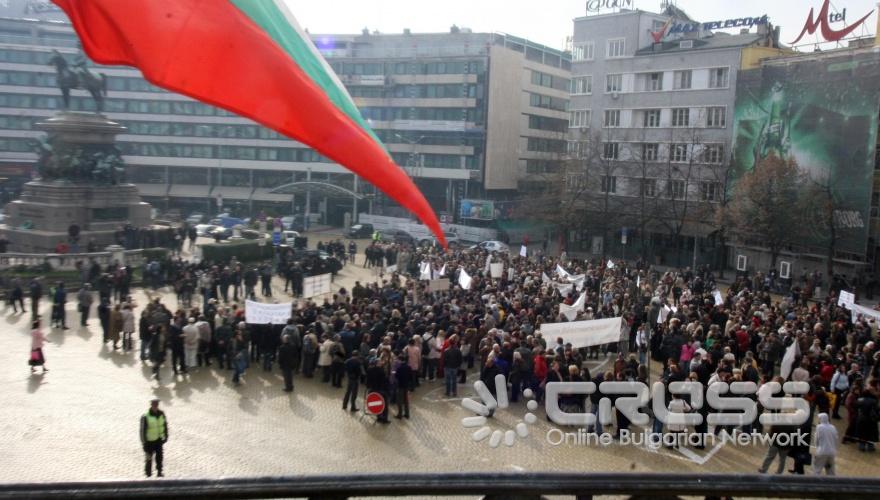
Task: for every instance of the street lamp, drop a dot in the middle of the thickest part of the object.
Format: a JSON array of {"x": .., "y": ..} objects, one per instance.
[{"x": 413, "y": 170}]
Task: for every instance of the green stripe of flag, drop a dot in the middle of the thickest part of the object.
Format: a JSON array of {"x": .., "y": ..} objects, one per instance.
[{"x": 268, "y": 16}]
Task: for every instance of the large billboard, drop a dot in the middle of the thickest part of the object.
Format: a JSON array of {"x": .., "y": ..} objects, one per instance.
[
  {"x": 31, "y": 9},
  {"x": 821, "y": 112}
]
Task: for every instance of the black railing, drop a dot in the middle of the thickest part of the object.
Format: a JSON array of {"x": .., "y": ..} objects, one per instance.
[{"x": 521, "y": 485}]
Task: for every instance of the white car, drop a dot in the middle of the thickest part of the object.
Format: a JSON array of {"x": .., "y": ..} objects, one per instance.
[
  {"x": 289, "y": 236},
  {"x": 205, "y": 229},
  {"x": 493, "y": 246}
]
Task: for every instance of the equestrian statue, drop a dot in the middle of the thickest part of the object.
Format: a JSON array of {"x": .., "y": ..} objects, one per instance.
[{"x": 78, "y": 76}]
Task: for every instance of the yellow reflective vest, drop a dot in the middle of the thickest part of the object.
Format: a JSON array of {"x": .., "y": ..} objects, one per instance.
[{"x": 153, "y": 427}]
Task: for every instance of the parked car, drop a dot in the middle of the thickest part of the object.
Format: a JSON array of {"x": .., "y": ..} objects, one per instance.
[
  {"x": 360, "y": 231},
  {"x": 492, "y": 246},
  {"x": 451, "y": 240},
  {"x": 221, "y": 233},
  {"x": 205, "y": 229},
  {"x": 195, "y": 218},
  {"x": 398, "y": 236},
  {"x": 288, "y": 237}
]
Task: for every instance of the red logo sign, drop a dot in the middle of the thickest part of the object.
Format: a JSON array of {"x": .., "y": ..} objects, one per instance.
[
  {"x": 658, "y": 35},
  {"x": 375, "y": 403},
  {"x": 822, "y": 22}
]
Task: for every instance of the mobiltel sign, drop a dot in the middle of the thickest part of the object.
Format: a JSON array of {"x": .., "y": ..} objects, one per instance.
[
  {"x": 822, "y": 22},
  {"x": 741, "y": 22}
]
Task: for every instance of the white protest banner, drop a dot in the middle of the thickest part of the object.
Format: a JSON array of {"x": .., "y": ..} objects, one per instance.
[
  {"x": 846, "y": 299},
  {"x": 787, "y": 363},
  {"x": 438, "y": 285},
  {"x": 509, "y": 274},
  {"x": 464, "y": 280},
  {"x": 562, "y": 272},
  {"x": 425, "y": 271},
  {"x": 864, "y": 311},
  {"x": 545, "y": 278},
  {"x": 496, "y": 269},
  {"x": 316, "y": 285},
  {"x": 584, "y": 333},
  {"x": 564, "y": 288},
  {"x": 571, "y": 311},
  {"x": 391, "y": 269},
  {"x": 258, "y": 313},
  {"x": 523, "y": 251},
  {"x": 719, "y": 301}
]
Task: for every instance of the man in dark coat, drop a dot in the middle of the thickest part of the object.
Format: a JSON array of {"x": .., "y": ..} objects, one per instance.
[{"x": 287, "y": 355}]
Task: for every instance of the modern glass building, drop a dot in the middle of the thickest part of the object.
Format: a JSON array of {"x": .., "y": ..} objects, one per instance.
[{"x": 434, "y": 99}]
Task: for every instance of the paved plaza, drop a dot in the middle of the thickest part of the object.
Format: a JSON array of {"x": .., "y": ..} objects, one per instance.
[{"x": 79, "y": 421}]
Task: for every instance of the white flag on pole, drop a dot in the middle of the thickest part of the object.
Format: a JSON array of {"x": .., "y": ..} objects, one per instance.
[
  {"x": 787, "y": 363},
  {"x": 719, "y": 300},
  {"x": 425, "y": 271},
  {"x": 523, "y": 251},
  {"x": 610, "y": 264},
  {"x": 442, "y": 271},
  {"x": 545, "y": 278},
  {"x": 464, "y": 280}
]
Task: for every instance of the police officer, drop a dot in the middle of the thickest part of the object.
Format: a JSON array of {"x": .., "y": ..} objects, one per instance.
[{"x": 154, "y": 434}]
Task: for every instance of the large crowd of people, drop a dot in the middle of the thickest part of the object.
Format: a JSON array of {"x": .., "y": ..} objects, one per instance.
[{"x": 409, "y": 327}]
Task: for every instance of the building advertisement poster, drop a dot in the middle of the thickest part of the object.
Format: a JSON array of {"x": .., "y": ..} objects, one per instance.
[
  {"x": 822, "y": 113},
  {"x": 477, "y": 209}
]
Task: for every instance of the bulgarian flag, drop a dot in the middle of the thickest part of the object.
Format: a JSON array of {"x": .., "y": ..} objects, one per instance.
[{"x": 252, "y": 58}]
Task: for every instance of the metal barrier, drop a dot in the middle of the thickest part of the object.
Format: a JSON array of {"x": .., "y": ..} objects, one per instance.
[{"x": 491, "y": 485}]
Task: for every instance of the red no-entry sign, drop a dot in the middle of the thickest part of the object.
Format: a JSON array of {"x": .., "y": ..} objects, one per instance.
[{"x": 375, "y": 403}]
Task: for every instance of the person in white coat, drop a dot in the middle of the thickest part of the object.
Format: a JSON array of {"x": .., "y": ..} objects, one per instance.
[
  {"x": 127, "y": 327},
  {"x": 826, "y": 446},
  {"x": 677, "y": 405},
  {"x": 190, "y": 343}
]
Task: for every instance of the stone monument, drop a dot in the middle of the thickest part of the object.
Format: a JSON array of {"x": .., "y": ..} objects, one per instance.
[{"x": 80, "y": 195}]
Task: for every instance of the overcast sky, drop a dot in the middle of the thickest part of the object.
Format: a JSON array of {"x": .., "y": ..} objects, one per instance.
[{"x": 544, "y": 21}]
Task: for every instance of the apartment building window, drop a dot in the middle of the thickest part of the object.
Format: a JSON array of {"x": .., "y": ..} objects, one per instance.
[
  {"x": 682, "y": 80},
  {"x": 653, "y": 81},
  {"x": 681, "y": 117},
  {"x": 716, "y": 117},
  {"x": 612, "y": 118},
  {"x": 577, "y": 149},
  {"x": 648, "y": 188},
  {"x": 583, "y": 52},
  {"x": 582, "y": 85},
  {"x": 609, "y": 184},
  {"x": 615, "y": 47},
  {"x": 611, "y": 150},
  {"x": 710, "y": 191},
  {"x": 613, "y": 83},
  {"x": 650, "y": 152},
  {"x": 576, "y": 182},
  {"x": 678, "y": 152},
  {"x": 652, "y": 118},
  {"x": 713, "y": 153},
  {"x": 579, "y": 118},
  {"x": 718, "y": 78},
  {"x": 675, "y": 189}
]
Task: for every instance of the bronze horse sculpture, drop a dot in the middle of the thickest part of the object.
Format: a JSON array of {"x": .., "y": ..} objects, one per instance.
[{"x": 78, "y": 77}]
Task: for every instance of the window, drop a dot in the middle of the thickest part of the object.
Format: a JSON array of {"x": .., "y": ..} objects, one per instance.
[
  {"x": 609, "y": 184},
  {"x": 612, "y": 118},
  {"x": 579, "y": 118},
  {"x": 675, "y": 189},
  {"x": 650, "y": 152},
  {"x": 578, "y": 149},
  {"x": 535, "y": 100},
  {"x": 582, "y": 85},
  {"x": 648, "y": 188},
  {"x": 546, "y": 123},
  {"x": 681, "y": 117},
  {"x": 710, "y": 191},
  {"x": 654, "y": 81},
  {"x": 613, "y": 83},
  {"x": 652, "y": 118},
  {"x": 678, "y": 152},
  {"x": 718, "y": 78},
  {"x": 713, "y": 153},
  {"x": 682, "y": 80},
  {"x": 583, "y": 52},
  {"x": 615, "y": 47},
  {"x": 610, "y": 150},
  {"x": 716, "y": 117},
  {"x": 576, "y": 182}
]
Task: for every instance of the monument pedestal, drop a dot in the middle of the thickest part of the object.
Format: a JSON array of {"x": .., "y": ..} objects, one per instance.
[{"x": 80, "y": 188}]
